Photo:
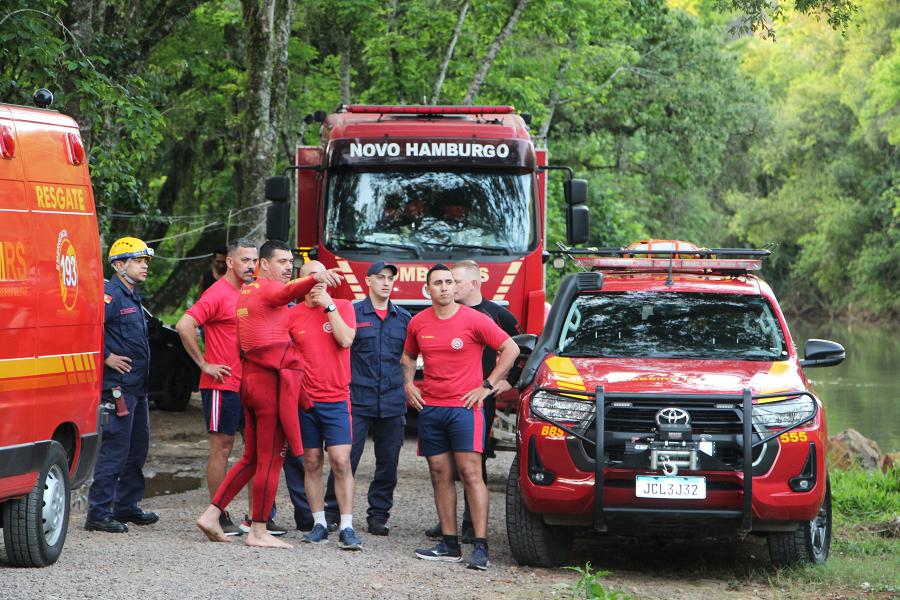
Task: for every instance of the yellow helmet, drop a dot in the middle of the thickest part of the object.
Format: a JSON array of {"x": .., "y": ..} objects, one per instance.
[{"x": 129, "y": 247}]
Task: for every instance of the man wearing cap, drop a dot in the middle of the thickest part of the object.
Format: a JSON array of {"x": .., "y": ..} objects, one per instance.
[
  {"x": 118, "y": 475},
  {"x": 376, "y": 393}
]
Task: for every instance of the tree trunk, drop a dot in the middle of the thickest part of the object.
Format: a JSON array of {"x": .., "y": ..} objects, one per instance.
[
  {"x": 280, "y": 75},
  {"x": 260, "y": 131},
  {"x": 442, "y": 73},
  {"x": 79, "y": 19},
  {"x": 494, "y": 49}
]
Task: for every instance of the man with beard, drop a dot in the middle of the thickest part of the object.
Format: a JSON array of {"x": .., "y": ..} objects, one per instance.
[{"x": 220, "y": 364}]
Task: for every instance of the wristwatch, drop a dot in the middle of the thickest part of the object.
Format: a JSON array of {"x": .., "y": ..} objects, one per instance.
[
  {"x": 330, "y": 308},
  {"x": 487, "y": 384}
]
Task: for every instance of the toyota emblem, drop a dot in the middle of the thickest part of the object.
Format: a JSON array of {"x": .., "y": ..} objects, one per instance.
[{"x": 673, "y": 416}]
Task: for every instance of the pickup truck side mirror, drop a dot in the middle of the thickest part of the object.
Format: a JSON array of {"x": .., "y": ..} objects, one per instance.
[
  {"x": 822, "y": 353},
  {"x": 526, "y": 343}
]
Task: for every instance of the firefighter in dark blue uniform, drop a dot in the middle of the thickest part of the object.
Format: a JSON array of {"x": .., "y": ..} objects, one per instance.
[
  {"x": 376, "y": 393},
  {"x": 118, "y": 478}
]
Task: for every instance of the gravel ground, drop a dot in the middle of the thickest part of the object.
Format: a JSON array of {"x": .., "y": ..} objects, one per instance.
[{"x": 172, "y": 559}]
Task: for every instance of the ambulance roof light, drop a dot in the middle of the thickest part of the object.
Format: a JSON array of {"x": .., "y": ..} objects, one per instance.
[
  {"x": 7, "y": 142},
  {"x": 430, "y": 110}
]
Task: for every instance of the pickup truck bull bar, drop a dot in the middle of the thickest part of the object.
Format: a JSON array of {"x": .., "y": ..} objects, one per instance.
[{"x": 601, "y": 398}]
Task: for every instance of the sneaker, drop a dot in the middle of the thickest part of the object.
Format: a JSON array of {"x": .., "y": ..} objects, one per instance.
[
  {"x": 271, "y": 527},
  {"x": 318, "y": 534},
  {"x": 228, "y": 525},
  {"x": 479, "y": 559},
  {"x": 434, "y": 533},
  {"x": 348, "y": 540},
  {"x": 440, "y": 552},
  {"x": 468, "y": 534},
  {"x": 376, "y": 527}
]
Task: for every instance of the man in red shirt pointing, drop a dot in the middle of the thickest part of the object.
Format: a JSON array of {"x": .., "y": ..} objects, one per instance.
[
  {"x": 451, "y": 339},
  {"x": 323, "y": 330},
  {"x": 220, "y": 364},
  {"x": 269, "y": 390}
]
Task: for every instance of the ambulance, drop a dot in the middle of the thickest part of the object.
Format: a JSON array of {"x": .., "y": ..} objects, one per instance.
[{"x": 51, "y": 328}]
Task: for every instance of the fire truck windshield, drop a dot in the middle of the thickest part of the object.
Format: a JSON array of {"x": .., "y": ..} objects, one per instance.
[
  {"x": 430, "y": 214},
  {"x": 672, "y": 325}
]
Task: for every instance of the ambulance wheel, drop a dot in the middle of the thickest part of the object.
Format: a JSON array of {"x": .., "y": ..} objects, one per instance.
[
  {"x": 34, "y": 527},
  {"x": 809, "y": 544},
  {"x": 532, "y": 541}
]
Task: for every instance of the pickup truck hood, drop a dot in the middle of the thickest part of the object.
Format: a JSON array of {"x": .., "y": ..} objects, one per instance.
[{"x": 670, "y": 376}]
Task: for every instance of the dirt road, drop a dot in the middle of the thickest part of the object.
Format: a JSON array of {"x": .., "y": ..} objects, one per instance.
[{"x": 171, "y": 560}]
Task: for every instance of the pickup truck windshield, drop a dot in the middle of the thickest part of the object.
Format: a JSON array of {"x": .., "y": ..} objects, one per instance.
[
  {"x": 415, "y": 213},
  {"x": 672, "y": 325}
]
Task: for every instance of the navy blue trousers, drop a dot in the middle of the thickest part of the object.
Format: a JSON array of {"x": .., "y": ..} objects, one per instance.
[
  {"x": 388, "y": 436},
  {"x": 118, "y": 476}
]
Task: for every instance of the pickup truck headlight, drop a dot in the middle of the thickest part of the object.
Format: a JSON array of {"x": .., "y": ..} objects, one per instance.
[
  {"x": 783, "y": 413},
  {"x": 561, "y": 408}
]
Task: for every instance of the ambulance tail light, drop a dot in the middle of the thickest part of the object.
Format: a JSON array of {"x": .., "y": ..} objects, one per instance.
[
  {"x": 75, "y": 148},
  {"x": 7, "y": 142}
]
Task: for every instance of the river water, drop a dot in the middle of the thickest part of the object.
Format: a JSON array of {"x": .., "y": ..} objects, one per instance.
[{"x": 864, "y": 391}]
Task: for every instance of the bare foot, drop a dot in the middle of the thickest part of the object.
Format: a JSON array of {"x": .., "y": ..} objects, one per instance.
[
  {"x": 265, "y": 540},
  {"x": 208, "y": 523}
]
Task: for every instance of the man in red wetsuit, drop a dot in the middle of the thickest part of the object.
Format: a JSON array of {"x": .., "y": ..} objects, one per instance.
[
  {"x": 269, "y": 390},
  {"x": 451, "y": 339}
]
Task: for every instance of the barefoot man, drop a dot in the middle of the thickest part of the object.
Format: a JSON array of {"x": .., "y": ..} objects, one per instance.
[{"x": 269, "y": 391}]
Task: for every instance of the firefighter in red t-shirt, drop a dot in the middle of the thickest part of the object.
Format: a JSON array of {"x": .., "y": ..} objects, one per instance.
[
  {"x": 220, "y": 364},
  {"x": 451, "y": 338},
  {"x": 269, "y": 391},
  {"x": 323, "y": 330}
]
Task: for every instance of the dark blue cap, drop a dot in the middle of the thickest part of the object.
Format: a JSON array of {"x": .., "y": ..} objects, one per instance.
[{"x": 377, "y": 268}]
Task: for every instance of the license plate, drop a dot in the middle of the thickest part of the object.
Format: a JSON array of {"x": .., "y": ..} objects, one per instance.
[{"x": 677, "y": 488}]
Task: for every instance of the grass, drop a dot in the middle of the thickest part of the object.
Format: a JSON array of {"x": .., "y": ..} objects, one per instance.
[{"x": 589, "y": 586}]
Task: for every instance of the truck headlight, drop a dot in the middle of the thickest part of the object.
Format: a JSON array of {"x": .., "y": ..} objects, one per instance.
[
  {"x": 559, "y": 408},
  {"x": 784, "y": 413}
]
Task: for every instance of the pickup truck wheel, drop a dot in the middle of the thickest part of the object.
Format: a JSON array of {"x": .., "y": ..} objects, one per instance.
[
  {"x": 176, "y": 392},
  {"x": 34, "y": 527},
  {"x": 810, "y": 543},
  {"x": 532, "y": 541}
]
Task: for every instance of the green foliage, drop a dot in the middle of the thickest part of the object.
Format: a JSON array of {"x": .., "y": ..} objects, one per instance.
[
  {"x": 589, "y": 586},
  {"x": 824, "y": 186},
  {"x": 861, "y": 497}
]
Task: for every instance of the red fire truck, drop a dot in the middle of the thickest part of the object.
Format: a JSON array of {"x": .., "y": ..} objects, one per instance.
[
  {"x": 51, "y": 328},
  {"x": 418, "y": 185}
]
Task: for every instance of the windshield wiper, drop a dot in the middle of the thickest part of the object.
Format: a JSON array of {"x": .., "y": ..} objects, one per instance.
[
  {"x": 455, "y": 246},
  {"x": 359, "y": 244}
]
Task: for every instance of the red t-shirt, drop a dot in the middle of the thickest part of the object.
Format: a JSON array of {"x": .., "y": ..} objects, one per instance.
[
  {"x": 215, "y": 311},
  {"x": 262, "y": 313},
  {"x": 326, "y": 365},
  {"x": 451, "y": 349},
  {"x": 381, "y": 312}
]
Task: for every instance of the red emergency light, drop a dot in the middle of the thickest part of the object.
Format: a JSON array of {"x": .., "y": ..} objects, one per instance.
[{"x": 430, "y": 110}]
